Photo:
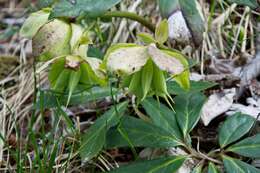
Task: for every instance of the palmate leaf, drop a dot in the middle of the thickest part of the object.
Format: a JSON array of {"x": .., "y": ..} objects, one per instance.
[
  {"x": 75, "y": 8},
  {"x": 236, "y": 166},
  {"x": 188, "y": 107},
  {"x": 162, "y": 116},
  {"x": 136, "y": 132},
  {"x": 249, "y": 147},
  {"x": 161, "y": 165},
  {"x": 93, "y": 141},
  {"x": 234, "y": 128}
]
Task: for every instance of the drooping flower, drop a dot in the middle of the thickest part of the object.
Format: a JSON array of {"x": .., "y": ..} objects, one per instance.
[
  {"x": 67, "y": 44},
  {"x": 144, "y": 68}
]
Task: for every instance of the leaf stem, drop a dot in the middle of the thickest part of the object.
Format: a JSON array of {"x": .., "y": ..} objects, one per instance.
[
  {"x": 132, "y": 16},
  {"x": 139, "y": 113},
  {"x": 200, "y": 155}
]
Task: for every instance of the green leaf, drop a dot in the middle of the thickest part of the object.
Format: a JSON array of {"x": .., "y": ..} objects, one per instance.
[
  {"x": 93, "y": 141},
  {"x": 146, "y": 77},
  {"x": 44, "y": 3},
  {"x": 251, "y": 3},
  {"x": 33, "y": 23},
  {"x": 56, "y": 68},
  {"x": 136, "y": 132},
  {"x": 195, "y": 86},
  {"x": 188, "y": 107},
  {"x": 62, "y": 81},
  {"x": 191, "y": 13},
  {"x": 135, "y": 87},
  {"x": 212, "y": 168},
  {"x": 197, "y": 169},
  {"x": 146, "y": 38},
  {"x": 73, "y": 82},
  {"x": 162, "y": 116},
  {"x": 236, "y": 166},
  {"x": 95, "y": 52},
  {"x": 249, "y": 147},
  {"x": 94, "y": 94},
  {"x": 75, "y": 8},
  {"x": 8, "y": 32},
  {"x": 162, "y": 32},
  {"x": 234, "y": 128},
  {"x": 161, "y": 165}
]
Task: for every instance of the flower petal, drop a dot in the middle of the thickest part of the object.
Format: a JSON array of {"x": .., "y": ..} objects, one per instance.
[
  {"x": 33, "y": 23},
  {"x": 126, "y": 59},
  {"x": 95, "y": 65},
  {"x": 52, "y": 40},
  {"x": 165, "y": 61},
  {"x": 79, "y": 40}
]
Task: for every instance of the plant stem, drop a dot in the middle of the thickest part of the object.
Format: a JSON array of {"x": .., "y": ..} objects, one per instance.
[
  {"x": 139, "y": 113},
  {"x": 132, "y": 16},
  {"x": 200, "y": 155}
]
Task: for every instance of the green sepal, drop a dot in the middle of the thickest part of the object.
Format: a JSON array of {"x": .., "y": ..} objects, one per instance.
[{"x": 162, "y": 32}]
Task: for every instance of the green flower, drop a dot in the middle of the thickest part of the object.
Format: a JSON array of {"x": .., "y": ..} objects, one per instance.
[
  {"x": 67, "y": 44},
  {"x": 144, "y": 68}
]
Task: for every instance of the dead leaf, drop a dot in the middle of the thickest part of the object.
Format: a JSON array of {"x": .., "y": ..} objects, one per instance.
[
  {"x": 252, "y": 109},
  {"x": 217, "y": 104}
]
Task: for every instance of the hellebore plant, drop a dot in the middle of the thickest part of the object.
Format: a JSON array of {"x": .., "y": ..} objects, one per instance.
[
  {"x": 66, "y": 44},
  {"x": 144, "y": 68}
]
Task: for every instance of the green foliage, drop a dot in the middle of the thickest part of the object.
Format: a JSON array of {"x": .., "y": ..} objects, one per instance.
[
  {"x": 234, "y": 128},
  {"x": 236, "y": 166},
  {"x": 187, "y": 108},
  {"x": 254, "y": 4},
  {"x": 249, "y": 147},
  {"x": 161, "y": 32},
  {"x": 197, "y": 169},
  {"x": 44, "y": 3},
  {"x": 212, "y": 168},
  {"x": 142, "y": 71},
  {"x": 136, "y": 132},
  {"x": 196, "y": 86},
  {"x": 93, "y": 141},
  {"x": 146, "y": 38},
  {"x": 33, "y": 23},
  {"x": 165, "y": 165},
  {"x": 52, "y": 99},
  {"x": 162, "y": 116},
  {"x": 75, "y": 8}
]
